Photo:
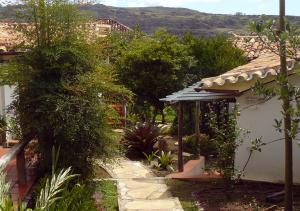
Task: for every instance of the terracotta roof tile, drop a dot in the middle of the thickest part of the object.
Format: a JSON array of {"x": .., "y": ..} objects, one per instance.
[
  {"x": 10, "y": 38},
  {"x": 262, "y": 63},
  {"x": 265, "y": 65},
  {"x": 253, "y": 46}
]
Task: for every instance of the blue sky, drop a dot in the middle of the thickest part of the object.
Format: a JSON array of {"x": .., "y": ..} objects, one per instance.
[{"x": 215, "y": 6}]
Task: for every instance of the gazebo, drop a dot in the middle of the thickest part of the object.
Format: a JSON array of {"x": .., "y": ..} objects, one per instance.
[{"x": 193, "y": 94}]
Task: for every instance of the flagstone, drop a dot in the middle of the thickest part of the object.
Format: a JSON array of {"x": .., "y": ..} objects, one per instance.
[{"x": 139, "y": 189}]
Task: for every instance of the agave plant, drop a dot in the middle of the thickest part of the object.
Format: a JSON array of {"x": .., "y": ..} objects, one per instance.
[
  {"x": 141, "y": 138},
  {"x": 150, "y": 157},
  {"x": 165, "y": 161}
]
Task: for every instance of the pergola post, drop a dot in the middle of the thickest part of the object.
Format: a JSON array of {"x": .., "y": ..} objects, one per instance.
[
  {"x": 180, "y": 134},
  {"x": 197, "y": 122}
]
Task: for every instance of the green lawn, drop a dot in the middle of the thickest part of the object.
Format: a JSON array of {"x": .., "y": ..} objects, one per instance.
[
  {"x": 109, "y": 201},
  {"x": 182, "y": 190},
  {"x": 107, "y": 189}
]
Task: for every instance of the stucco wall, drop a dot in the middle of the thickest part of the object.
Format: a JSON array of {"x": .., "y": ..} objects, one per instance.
[
  {"x": 6, "y": 99},
  {"x": 258, "y": 117}
]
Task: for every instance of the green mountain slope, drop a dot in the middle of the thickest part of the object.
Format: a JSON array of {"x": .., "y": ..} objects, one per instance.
[{"x": 176, "y": 20}]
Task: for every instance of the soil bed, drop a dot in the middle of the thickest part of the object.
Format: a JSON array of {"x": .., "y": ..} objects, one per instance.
[{"x": 245, "y": 196}]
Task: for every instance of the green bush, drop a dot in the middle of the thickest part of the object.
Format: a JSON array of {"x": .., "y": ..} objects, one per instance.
[
  {"x": 188, "y": 120},
  {"x": 78, "y": 198},
  {"x": 206, "y": 147},
  {"x": 165, "y": 161}
]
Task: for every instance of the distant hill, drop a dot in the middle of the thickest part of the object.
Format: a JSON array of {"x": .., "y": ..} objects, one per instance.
[{"x": 176, "y": 20}]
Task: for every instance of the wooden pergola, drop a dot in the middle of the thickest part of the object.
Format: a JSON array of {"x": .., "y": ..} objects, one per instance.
[{"x": 195, "y": 94}]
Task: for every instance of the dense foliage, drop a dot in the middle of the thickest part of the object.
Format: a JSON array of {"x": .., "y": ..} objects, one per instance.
[
  {"x": 214, "y": 55},
  {"x": 64, "y": 89},
  {"x": 153, "y": 67},
  {"x": 227, "y": 137},
  {"x": 204, "y": 146}
]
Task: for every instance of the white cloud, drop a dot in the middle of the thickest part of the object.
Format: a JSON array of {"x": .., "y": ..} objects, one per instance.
[{"x": 143, "y": 3}]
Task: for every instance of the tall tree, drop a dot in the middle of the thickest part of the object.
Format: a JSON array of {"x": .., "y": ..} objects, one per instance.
[
  {"x": 64, "y": 89},
  {"x": 285, "y": 41},
  {"x": 214, "y": 55},
  {"x": 153, "y": 67},
  {"x": 286, "y": 105}
]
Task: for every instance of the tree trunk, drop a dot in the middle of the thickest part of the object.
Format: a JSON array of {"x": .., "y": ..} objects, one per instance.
[
  {"x": 163, "y": 119},
  {"x": 154, "y": 115},
  {"x": 287, "y": 116}
]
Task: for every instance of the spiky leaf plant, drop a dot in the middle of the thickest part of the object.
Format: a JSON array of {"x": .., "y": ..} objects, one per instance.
[{"x": 141, "y": 138}]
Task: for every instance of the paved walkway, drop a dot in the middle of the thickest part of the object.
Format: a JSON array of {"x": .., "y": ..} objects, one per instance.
[{"x": 140, "y": 190}]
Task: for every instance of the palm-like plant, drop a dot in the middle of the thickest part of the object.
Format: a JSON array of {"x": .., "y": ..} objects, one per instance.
[
  {"x": 165, "y": 161},
  {"x": 53, "y": 187},
  {"x": 4, "y": 186},
  {"x": 49, "y": 194},
  {"x": 141, "y": 138}
]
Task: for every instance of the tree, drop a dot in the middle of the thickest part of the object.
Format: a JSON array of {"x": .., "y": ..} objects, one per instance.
[
  {"x": 286, "y": 41},
  {"x": 153, "y": 67},
  {"x": 64, "y": 89},
  {"x": 286, "y": 105},
  {"x": 115, "y": 43},
  {"x": 214, "y": 55}
]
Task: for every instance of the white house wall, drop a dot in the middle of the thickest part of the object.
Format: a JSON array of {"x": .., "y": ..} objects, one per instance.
[{"x": 258, "y": 117}]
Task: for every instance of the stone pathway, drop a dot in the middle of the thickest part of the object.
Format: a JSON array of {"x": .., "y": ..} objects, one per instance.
[{"x": 139, "y": 189}]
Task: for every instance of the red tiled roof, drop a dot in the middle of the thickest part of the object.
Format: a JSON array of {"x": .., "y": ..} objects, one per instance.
[
  {"x": 253, "y": 46},
  {"x": 10, "y": 38},
  {"x": 263, "y": 62}
]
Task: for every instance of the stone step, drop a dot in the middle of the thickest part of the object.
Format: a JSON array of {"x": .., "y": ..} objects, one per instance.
[
  {"x": 139, "y": 189},
  {"x": 143, "y": 189},
  {"x": 170, "y": 204}
]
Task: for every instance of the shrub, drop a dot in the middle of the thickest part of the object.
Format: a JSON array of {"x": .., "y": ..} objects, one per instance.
[
  {"x": 227, "y": 137},
  {"x": 141, "y": 138},
  {"x": 165, "y": 161},
  {"x": 78, "y": 198},
  {"x": 150, "y": 157},
  {"x": 205, "y": 147}
]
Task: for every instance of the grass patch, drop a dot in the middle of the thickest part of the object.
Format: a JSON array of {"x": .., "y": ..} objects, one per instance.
[
  {"x": 246, "y": 195},
  {"x": 109, "y": 200},
  {"x": 182, "y": 190}
]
